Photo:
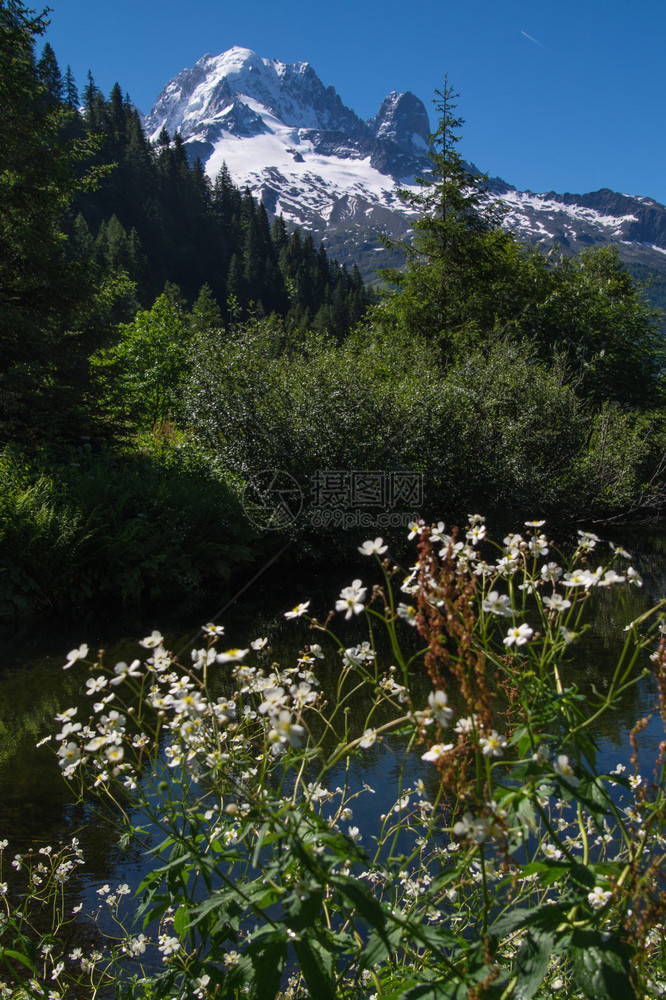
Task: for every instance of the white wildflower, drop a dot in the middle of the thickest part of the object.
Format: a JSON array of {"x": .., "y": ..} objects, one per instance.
[
  {"x": 518, "y": 635},
  {"x": 493, "y": 744},
  {"x": 588, "y": 540},
  {"x": 153, "y": 640},
  {"x": 539, "y": 545},
  {"x": 441, "y": 710},
  {"x": 299, "y": 610},
  {"x": 351, "y": 599},
  {"x": 231, "y": 655},
  {"x": 124, "y": 672},
  {"x": 76, "y": 654},
  {"x": 598, "y": 897},
  {"x": 563, "y": 768},
  {"x": 95, "y": 684},
  {"x": 373, "y": 548},
  {"x": 168, "y": 945},
  {"x": 407, "y": 612},
  {"x": 556, "y": 602},
  {"x": 497, "y": 604},
  {"x": 436, "y": 751},
  {"x": 551, "y": 572},
  {"x": 610, "y": 577},
  {"x": 213, "y": 631}
]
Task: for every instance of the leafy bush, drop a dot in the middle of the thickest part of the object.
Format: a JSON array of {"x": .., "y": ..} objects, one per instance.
[
  {"x": 501, "y": 429},
  {"x": 299, "y": 404},
  {"x": 140, "y": 377},
  {"x": 131, "y": 530}
]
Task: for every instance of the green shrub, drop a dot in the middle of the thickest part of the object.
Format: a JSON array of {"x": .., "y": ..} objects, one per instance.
[
  {"x": 130, "y": 530},
  {"x": 501, "y": 430}
]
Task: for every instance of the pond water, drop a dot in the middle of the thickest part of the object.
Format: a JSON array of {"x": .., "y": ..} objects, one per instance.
[{"x": 37, "y": 808}]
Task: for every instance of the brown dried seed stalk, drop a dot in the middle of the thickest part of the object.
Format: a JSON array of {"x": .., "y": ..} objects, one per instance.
[{"x": 446, "y": 619}]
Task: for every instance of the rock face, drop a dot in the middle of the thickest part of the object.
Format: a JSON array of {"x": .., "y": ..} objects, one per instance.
[
  {"x": 402, "y": 119},
  {"x": 293, "y": 142}
]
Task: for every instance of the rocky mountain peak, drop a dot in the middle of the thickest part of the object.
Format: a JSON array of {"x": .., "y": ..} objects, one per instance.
[
  {"x": 403, "y": 119},
  {"x": 292, "y": 94}
]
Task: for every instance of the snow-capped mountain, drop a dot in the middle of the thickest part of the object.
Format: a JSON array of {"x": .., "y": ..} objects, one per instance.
[
  {"x": 305, "y": 155},
  {"x": 292, "y": 140}
]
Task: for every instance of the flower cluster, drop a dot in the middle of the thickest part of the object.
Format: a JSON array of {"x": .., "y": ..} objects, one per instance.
[{"x": 490, "y": 852}]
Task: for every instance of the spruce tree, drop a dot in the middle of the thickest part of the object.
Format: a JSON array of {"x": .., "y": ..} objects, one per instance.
[
  {"x": 42, "y": 290},
  {"x": 48, "y": 74},
  {"x": 458, "y": 246},
  {"x": 71, "y": 94},
  {"x": 467, "y": 281},
  {"x": 206, "y": 316}
]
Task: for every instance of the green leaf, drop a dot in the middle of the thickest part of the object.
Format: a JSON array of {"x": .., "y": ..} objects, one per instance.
[
  {"x": 592, "y": 794},
  {"x": 435, "y": 938},
  {"x": 437, "y": 991},
  {"x": 582, "y": 876},
  {"x": 531, "y": 963},
  {"x": 525, "y": 813},
  {"x": 268, "y": 953},
  {"x": 303, "y": 912},
  {"x": 548, "y": 872},
  {"x": 181, "y": 920},
  {"x": 318, "y": 982},
  {"x": 362, "y": 899},
  {"x": 18, "y": 957},
  {"x": 545, "y": 918},
  {"x": 216, "y": 901},
  {"x": 521, "y": 740},
  {"x": 179, "y": 857},
  {"x": 602, "y": 966},
  {"x": 264, "y": 838},
  {"x": 379, "y": 946}
]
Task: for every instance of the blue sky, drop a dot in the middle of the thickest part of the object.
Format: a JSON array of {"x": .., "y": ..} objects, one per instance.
[{"x": 564, "y": 96}]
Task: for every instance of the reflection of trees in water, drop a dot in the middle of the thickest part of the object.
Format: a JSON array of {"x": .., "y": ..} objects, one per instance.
[
  {"x": 648, "y": 550},
  {"x": 595, "y": 654}
]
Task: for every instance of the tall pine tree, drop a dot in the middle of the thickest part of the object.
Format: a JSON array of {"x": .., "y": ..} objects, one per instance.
[
  {"x": 457, "y": 247},
  {"x": 41, "y": 289}
]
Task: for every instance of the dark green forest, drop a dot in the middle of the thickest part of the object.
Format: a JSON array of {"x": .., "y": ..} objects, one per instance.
[{"x": 162, "y": 342}]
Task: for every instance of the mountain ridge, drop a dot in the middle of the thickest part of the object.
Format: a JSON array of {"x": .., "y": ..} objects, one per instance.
[{"x": 307, "y": 156}]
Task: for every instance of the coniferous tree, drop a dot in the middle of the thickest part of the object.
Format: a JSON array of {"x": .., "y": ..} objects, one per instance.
[
  {"x": 42, "y": 291},
  {"x": 93, "y": 105},
  {"x": 234, "y": 283},
  {"x": 81, "y": 240},
  {"x": 71, "y": 94},
  {"x": 458, "y": 247},
  {"x": 206, "y": 315},
  {"x": 187, "y": 230},
  {"x": 467, "y": 281},
  {"x": 279, "y": 234},
  {"x": 48, "y": 74}
]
